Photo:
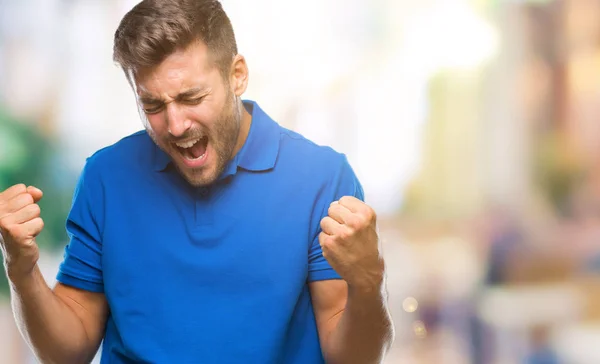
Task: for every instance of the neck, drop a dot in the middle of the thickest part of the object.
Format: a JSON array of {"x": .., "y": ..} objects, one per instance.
[{"x": 244, "y": 128}]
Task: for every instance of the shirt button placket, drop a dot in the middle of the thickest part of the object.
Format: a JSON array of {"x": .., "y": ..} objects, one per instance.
[{"x": 202, "y": 207}]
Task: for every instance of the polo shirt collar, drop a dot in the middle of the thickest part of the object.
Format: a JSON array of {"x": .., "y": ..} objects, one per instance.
[
  {"x": 161, "y": 159},
  {"x": 259, "y": 152}
]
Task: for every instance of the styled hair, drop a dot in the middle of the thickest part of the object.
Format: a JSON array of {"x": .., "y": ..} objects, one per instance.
[{"x": 155, "y": 29}]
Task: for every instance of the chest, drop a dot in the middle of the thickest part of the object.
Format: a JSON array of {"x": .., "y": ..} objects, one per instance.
[{"x": 210, "y": 241}]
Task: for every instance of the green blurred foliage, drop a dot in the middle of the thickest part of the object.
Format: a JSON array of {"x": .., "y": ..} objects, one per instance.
[{"x": 29, "y": 157}]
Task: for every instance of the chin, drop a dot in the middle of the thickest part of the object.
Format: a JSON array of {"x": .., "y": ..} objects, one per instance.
[
  {"x": 200, "y": 176},
  {"x": 199, "y": 179}
]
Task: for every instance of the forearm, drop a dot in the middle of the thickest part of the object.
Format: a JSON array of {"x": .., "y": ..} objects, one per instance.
[
  {"x": 365, "y": 331},
  {"x": 48, "y": 324}
]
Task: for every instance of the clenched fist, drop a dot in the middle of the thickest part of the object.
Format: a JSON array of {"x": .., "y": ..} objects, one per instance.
[
  {"x": 350, "y": 243},
  {"x": 20, "y": 223}
]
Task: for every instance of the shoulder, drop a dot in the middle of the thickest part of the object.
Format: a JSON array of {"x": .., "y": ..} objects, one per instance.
[
  {"x": 316, "y": 167},
  {"x": 306, "y": 155},
  {"x": 133, "y": 150}
]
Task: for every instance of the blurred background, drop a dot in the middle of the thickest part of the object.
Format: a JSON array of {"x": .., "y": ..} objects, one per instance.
[{"x": 473, "y": 126}]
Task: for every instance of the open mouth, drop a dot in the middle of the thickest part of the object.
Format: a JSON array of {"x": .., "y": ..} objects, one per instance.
[{"x": 193, "y": 150}]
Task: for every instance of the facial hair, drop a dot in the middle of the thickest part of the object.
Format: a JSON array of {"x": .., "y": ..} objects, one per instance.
[{"x": 222, "y": 138}]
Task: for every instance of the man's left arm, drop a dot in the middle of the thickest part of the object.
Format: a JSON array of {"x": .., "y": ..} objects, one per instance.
[{"x": 352, "y": 314}]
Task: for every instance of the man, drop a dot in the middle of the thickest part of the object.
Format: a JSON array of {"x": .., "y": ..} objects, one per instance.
[{"x": 215, "y": 236}]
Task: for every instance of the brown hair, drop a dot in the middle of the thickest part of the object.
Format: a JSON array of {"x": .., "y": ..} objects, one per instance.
[{"x": 154, "y": 29}]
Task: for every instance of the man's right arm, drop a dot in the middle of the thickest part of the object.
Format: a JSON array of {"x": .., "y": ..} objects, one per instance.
[{"x": 64, "y": 325}]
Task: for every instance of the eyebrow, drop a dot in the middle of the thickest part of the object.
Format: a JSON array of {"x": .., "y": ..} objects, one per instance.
[{"x": 149, "y": 99}]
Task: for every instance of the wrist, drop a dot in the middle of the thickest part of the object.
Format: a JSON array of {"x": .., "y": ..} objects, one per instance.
[
  {"x": 372, "y": 285},
  {"x": 18, "y": 276},
  {"x": 368, "y": 279}
]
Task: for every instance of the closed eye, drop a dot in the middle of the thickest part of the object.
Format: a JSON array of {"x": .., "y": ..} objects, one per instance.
[
  {"x": 194, "y": 101},
  {"x": 153, "y": 109}
]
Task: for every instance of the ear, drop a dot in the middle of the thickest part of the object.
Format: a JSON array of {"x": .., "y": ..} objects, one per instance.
[{"x": 239, "y": 75}]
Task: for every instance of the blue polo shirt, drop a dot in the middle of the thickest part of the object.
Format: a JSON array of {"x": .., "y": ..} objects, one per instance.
[{"x": 215, "y": 274}]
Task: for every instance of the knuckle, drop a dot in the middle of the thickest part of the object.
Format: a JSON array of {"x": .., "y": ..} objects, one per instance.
[
  {"x": 328, "y": 245},
  {"x": 367, "y": 217},
  {"x": 15, "y": 231},
  {"x": 332, "y": 209},
  {"x": 35, "y": 209},
  {"x": 20, "y": 188},
  {"x": 4, "y": 223},
  {"x": 344, "y": 234},
  {"x": 344, "y": 199},
  {"x": 28, "y": 199},
  {"x": 354, "y": 223},
  {"x": 335, "y": 240},
  {"x": 36, "y": 221},
  {"x": 350, "y": 231},
  {"x": 370, "y": 214},
  {"x": 321, "y": 238},
  {"x": 323, "y": 223}
]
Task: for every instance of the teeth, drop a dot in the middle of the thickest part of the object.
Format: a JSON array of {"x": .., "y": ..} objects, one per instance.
[{"x": 187, "y": 144}]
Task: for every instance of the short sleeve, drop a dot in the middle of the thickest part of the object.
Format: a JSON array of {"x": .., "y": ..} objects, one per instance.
[
  {"x": 82, "y": 263},
  {"x": 344, "y": 183}
]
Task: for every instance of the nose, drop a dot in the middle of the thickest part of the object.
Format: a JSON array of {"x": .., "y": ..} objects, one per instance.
[{"x": 177, "y": 122}]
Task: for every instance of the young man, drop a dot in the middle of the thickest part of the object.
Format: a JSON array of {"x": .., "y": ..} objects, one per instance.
[{"x": 214, "y": 236}]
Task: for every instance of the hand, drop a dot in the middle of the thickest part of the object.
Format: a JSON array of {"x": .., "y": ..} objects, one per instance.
[
  {"x": 20, "y": 223},
  {"x": 350, "y": 243}
]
